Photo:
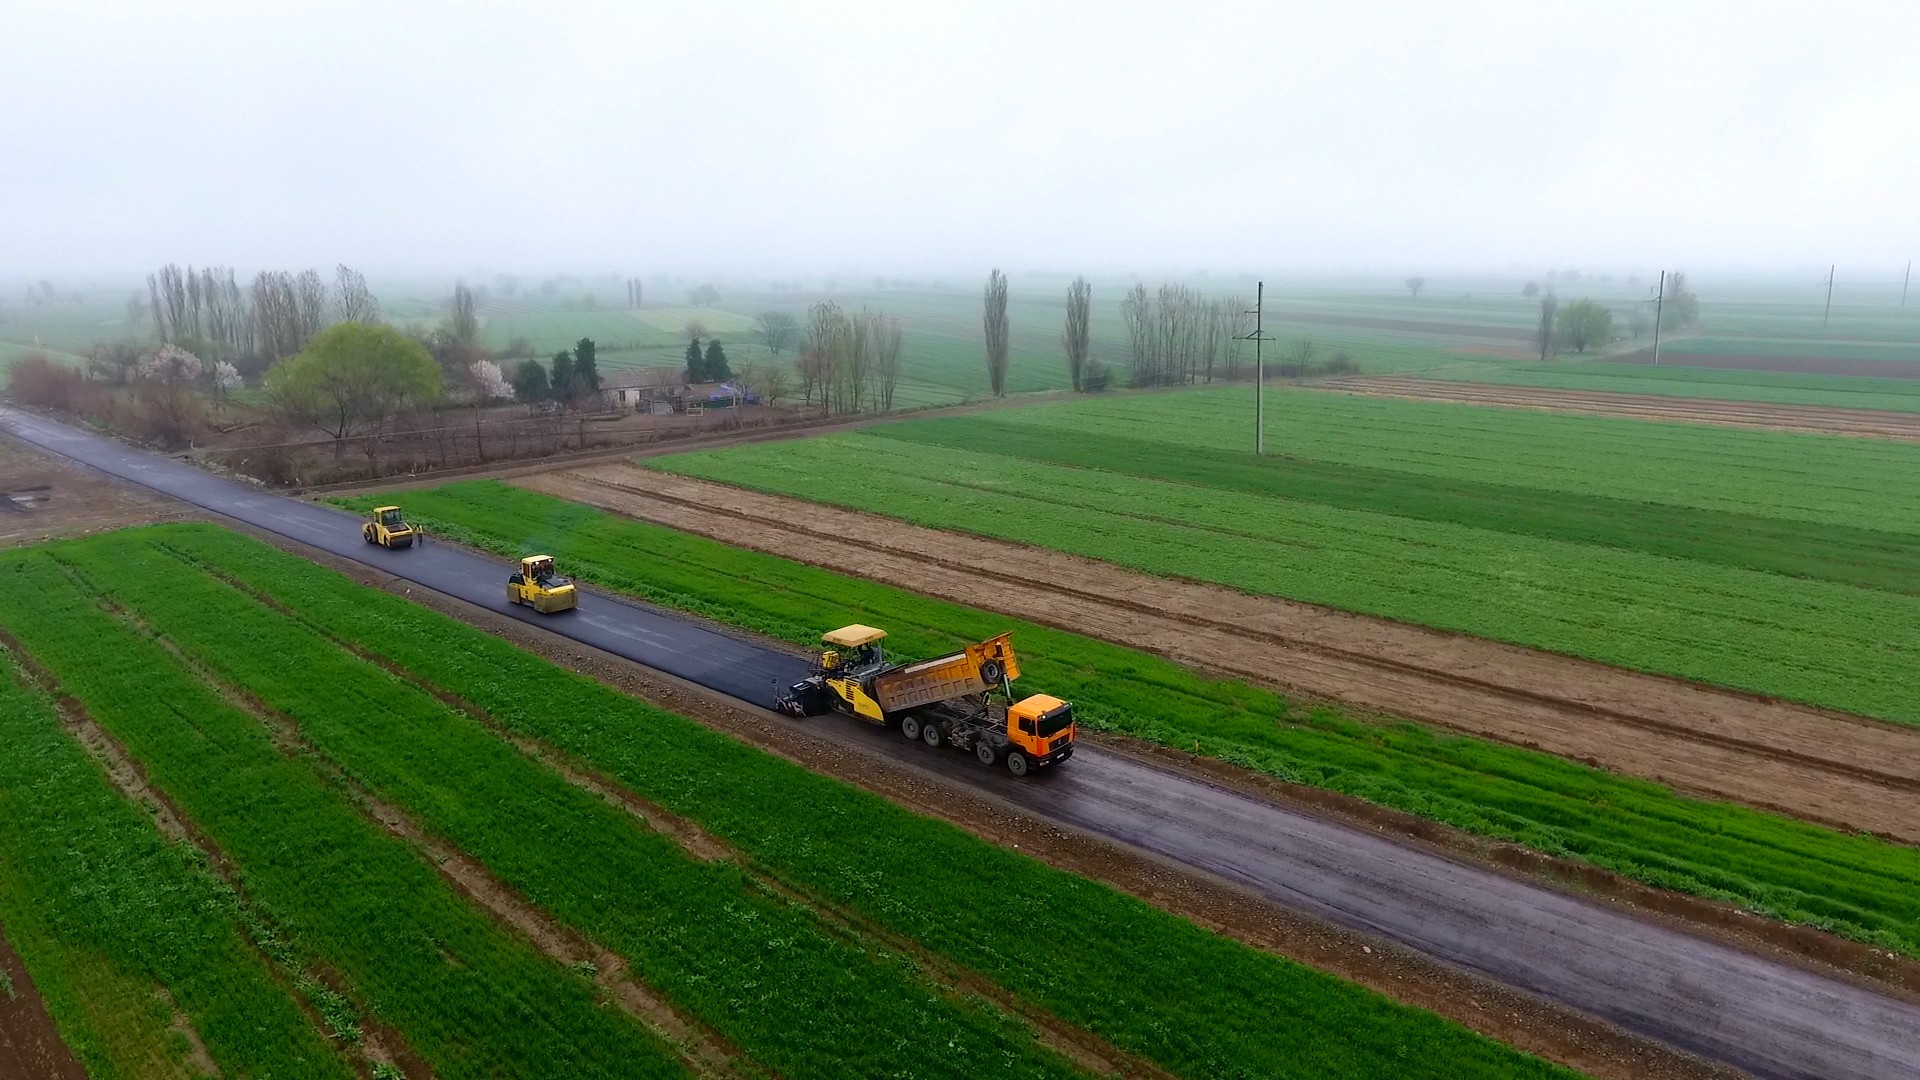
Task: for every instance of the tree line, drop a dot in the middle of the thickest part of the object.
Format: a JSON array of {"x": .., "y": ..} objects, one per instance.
[{"x": 1586, "y": 323}]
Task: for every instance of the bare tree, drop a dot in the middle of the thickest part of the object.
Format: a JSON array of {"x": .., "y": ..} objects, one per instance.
[
  {"x": 463, "y": 324},
  {"x": 1137, "y": 311},
  {"x": 1238, "y": 311},
  {"x": 1213, "y": 336},
  {"x": 995, "y": 322},
  {"x": 1415, "y": 284},
  {"x": 276, "y": 316},
  {"x": 777, "y": 329},
  {"x": 1300, "y": 359},
  {"x": 818, "y": 365},
  {"x": 310, "y": 302},
  {"x": 352, "y": 300},
  {"x": 1079, "y": 313},
  {"x": 811, "y": 366},
  {"x": 885, "y": 343},
  {"x": 695, "y": 330}
]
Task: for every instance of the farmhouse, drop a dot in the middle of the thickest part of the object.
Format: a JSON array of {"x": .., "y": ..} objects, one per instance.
[{"x": 646, "y": 391}]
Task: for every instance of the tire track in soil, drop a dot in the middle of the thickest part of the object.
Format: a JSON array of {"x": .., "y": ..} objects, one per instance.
[
  {"x": 1847, "y": 772},
  {"x": 1860, "y": 423}
]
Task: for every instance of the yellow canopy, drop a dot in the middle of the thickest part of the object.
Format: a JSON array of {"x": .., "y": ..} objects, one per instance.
[{"x": 852, "y": 637}]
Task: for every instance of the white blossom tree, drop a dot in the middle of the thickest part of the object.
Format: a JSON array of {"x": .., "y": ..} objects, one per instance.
[
  {"x": 488, "y": 383},
  {"x": 169, "y": 364},
  {"x": 166, "y": 377},
  {"x": 226, "y": 378}
]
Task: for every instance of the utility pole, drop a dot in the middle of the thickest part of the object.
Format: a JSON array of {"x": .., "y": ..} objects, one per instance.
[
  {"x": 1659, "y": 304},
  {"x": 1903, "y": 283},
  {"x": 1831, "y": 267},
  {"x": 1259, "y": 371}
]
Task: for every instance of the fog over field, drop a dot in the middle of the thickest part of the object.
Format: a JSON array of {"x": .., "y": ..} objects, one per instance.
[{"x": 723, "y": 137}]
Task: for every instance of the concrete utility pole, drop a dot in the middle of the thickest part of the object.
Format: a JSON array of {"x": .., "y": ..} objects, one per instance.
[
  {"x": 1659, "y": 305},
  {"x": 1259, "y": 371},
  {"x": 1829, "y": 312}
]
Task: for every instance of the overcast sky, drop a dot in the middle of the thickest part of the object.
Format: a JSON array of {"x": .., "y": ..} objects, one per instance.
[{"x": 904, "y": 136}]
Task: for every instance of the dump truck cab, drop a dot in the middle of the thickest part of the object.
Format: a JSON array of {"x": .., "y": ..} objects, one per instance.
[
  {"x": 960, "y": 699},
  {"x": 385, "y": 526},
  {"x": 1040, "y": 728},
  {"x": 540, "y": 587}
]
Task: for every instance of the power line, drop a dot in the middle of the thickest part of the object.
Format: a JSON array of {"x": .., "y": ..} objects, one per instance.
[
  {"x": 1828, "y": 314},
  {"x": 1904, "y": 281}
]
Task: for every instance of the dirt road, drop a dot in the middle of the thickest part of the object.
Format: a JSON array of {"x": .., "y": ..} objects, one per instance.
[
  {"x": 1864, "y": 423},
  {"x": 1839, "y": 770}
]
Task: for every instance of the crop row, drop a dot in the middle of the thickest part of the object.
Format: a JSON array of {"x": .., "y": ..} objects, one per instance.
[
  {"x": 472, "y": 999},
  {"x": 1149, "y": 983},
  {"x": 1853, "y": 556},
  {"x": 1820, "y": 478},
  {"x": 1857, "y": 886},
  {"x": 765, "y": 973},
  {"x": 1812, "y": 641},
  {"x": 104, "y": 911}
]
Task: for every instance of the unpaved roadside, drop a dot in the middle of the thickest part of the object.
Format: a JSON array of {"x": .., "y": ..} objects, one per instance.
[
  {"x": 1839, "y": 770},
  {"x": 1861, "y": 423},
  {"x": 44, "y": 497}
]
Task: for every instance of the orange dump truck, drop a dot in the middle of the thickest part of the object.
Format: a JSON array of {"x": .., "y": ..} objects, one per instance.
[{"x": 964, "y": 699}]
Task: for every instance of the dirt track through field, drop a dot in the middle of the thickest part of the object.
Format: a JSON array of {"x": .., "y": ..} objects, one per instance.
[
  {"x": 1839, "y": 770},
  {"x": 1864, "y": 423}
]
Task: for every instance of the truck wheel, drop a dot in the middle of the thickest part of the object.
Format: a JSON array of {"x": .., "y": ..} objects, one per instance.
[
  {"x": 910, "y": 726},
  {"x": 991, "y": 671},
  {"x": 1017, "y": 763},
  {"x": 932, "y": 735},
  {"x": 984, "y": 751}
]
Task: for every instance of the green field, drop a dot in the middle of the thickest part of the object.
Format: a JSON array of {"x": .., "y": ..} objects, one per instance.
[
  {"x": 1857, "y": 886},
  {"x": 1720, "y": 384},
  {"x": 274, "y": 702},
  {"x": 1781, "y": 564}
]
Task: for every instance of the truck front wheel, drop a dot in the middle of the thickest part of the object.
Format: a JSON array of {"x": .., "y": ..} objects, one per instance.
[{"x": 1017, "y": 763}]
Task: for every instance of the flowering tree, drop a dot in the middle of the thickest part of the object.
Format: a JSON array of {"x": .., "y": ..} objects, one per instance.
[
  {"x": 488, "y": 383},
  {"x": 226, "y": 378},
  {"x": 170, "y": 365},
  {"x": 166, "y": 378}
]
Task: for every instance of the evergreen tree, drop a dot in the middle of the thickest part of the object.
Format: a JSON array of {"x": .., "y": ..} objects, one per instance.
[
  {"x": 584, "y": 371},
  {"x": 696, "y": 364},
  {"x": 530, "y": 381},
  {"x": 717, "y": 369},
  {"x": 563, "y": 375}
]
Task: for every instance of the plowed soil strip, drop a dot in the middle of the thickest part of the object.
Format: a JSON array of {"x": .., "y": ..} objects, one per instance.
[
  {"x": 1864, "y": 423},
  {"x": 30, "y": 1045},
  {"x": 1826, "y": 767}
]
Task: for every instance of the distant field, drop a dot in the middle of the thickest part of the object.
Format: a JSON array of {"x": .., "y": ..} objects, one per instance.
[
  {"x": 1781, "y": 564},
  {"x": 1774, "y": 387}
]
